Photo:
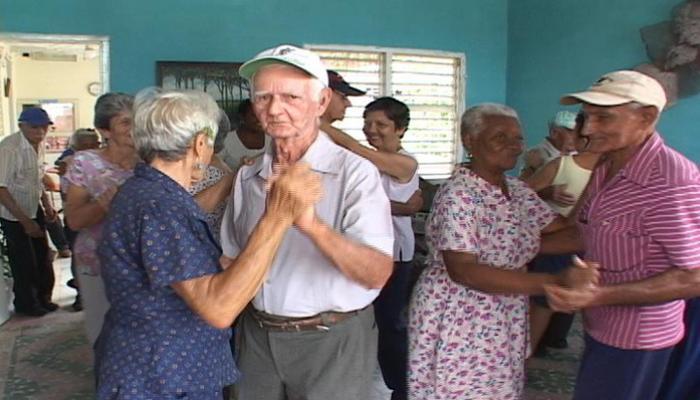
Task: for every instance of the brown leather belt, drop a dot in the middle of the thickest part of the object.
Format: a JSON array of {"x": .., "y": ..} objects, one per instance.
[{"x": 318, "y": 322}]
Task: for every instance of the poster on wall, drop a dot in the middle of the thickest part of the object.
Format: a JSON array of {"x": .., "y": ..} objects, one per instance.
[
  {"x": 62, "y": 114},
  {"x": 219, "y": 79}
]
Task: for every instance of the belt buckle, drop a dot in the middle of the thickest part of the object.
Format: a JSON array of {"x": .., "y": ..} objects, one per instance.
[{"x": 259, "y": 322}]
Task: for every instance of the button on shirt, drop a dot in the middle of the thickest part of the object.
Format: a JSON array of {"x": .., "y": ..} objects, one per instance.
[
  {"x": 154, "y": 236},
  {"x": 21, "y": 170},
  {"x": 642, "y": 222},
  {"x": 302, "y": 281}
]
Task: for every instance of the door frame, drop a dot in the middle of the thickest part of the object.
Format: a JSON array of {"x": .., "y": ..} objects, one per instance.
[{"x": 14, "y": 38}]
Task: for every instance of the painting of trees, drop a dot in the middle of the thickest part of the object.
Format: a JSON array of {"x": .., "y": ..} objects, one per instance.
[{"x": 219, "y": 79}]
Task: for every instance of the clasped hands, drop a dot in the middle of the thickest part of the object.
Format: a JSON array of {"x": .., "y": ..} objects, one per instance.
[
  {"x": 577, "y": 287},
  {"x": 293, "y": 190}
]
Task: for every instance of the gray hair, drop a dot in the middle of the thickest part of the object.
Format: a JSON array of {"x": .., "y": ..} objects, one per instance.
[
  {"x": 82, "y": 134},
  {"x": 638, "y": 106},
  {"x": 109, "y": 105},
  {"x": 316, "y": 85},
  {"x": 224, "y": 129},
  {"x": 167, "y": 121},
  {"x": 472, "y": 122}
]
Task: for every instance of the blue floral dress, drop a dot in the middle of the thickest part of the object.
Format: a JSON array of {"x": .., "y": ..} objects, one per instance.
[
  {"x": 152, "y": 344},
  {"x": 463, "y": 343}
]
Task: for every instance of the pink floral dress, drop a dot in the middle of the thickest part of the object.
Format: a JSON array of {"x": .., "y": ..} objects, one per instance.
[
  {"x": 463, "y": 343},
  {"x": 93, "y": 173}
]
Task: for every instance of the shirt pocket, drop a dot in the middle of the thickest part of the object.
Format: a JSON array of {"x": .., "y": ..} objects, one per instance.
[
  {"x": 620, "y": 242},
  {"x": 27, "y": 178}
]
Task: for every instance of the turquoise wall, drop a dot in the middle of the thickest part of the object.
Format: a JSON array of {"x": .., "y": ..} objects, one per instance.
[
  {"x": 143, "y": 31},
  {"x": 524, "y": 52},
  {"x": 559, "y": 46}
]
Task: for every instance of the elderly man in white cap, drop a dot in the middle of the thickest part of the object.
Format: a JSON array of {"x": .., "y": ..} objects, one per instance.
[
  {"x": 640, "y": 224},
  {"x": 560, "y": 140},
  {"x": 309, "y": 333}
]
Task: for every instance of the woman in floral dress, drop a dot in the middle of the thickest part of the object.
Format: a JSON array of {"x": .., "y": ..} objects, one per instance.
[
  {"x": 468, "y": 335},
  {"x": 93, "y": 179},
  {"x": 211, "y": 193}
]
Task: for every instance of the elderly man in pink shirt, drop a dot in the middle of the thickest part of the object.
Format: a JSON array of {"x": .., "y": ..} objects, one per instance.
[{"x": 639, "y": 223}]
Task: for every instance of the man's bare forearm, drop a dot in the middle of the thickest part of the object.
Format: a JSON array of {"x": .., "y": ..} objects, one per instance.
[
  {"x": 673, "y": 284},
  {"x": 365, "y": 265}
]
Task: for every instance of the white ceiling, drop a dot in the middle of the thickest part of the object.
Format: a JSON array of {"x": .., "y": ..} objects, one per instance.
[{"x": 81, "y": 51}]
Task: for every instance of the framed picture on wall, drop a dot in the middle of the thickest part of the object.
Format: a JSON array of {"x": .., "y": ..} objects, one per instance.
[
  {"x": 62, "y": 112},
  {"x": 219, "y": 79},
  {"x": 56, "y": 143}
]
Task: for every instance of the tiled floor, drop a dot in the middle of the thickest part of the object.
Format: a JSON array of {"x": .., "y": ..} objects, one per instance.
[{"x": 48, "y": 358}]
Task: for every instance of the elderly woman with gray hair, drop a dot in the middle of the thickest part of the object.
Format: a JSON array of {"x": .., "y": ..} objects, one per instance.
[
  {"x": 172, "y": 296},
  {"x": 93, "y": 178},
  {"x": 468, "y": 317}
]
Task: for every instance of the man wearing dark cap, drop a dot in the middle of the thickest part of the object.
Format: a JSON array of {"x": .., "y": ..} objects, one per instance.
[
  {"x": 21, "y": 215},
  {"x": 339, "y": 99}
]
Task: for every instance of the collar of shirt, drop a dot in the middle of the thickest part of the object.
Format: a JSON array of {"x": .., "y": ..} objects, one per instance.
[
  {"x": 24, "y": 142},
  {"x": 640, "y": 167},
  {"x": 485, "y": 186},
  {"x": 318, "y": 156},
  {"x": 179, "y": 193},
  {"x": 39, "y": 153}
]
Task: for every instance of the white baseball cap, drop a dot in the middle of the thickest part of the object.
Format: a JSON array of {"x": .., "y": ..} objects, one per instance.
[
  {"x": 303, "y": 59},
  {"x": 565, "y": 119},
  {"x": 621, "y": 87}
]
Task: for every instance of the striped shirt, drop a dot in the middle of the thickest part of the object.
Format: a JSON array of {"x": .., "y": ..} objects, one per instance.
[
  {"x": 21, "y": 170},
  {"x": 645, "y": 220}
]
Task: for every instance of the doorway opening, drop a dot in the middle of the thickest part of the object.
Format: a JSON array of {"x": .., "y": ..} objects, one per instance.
[{"x": 64, "y": 74}]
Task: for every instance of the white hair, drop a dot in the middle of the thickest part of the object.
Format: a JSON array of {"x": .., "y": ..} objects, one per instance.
[
  {"x": 638, "y": 106},
  {"x": 316, "y": 85},
  {"x": 472, "y": 122},
  {"x": 167, "y": 121}
]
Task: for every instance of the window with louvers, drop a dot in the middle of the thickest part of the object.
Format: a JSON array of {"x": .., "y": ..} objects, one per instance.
[{"x": 431, "y": 83}]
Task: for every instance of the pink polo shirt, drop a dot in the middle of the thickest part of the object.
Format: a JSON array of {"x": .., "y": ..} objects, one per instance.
[{"x": 642, "y": 222}]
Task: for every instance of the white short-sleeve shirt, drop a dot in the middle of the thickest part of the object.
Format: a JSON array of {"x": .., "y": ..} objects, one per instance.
[
  {"x": 404, "y": 240},
  {"x": 21, "y": 170},
  {"x": 234, "y": 150},
  {"x": 302, "y": 281}
]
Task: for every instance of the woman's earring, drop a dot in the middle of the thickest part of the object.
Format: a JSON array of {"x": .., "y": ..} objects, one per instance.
[{"x": 199, "y": 165}]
